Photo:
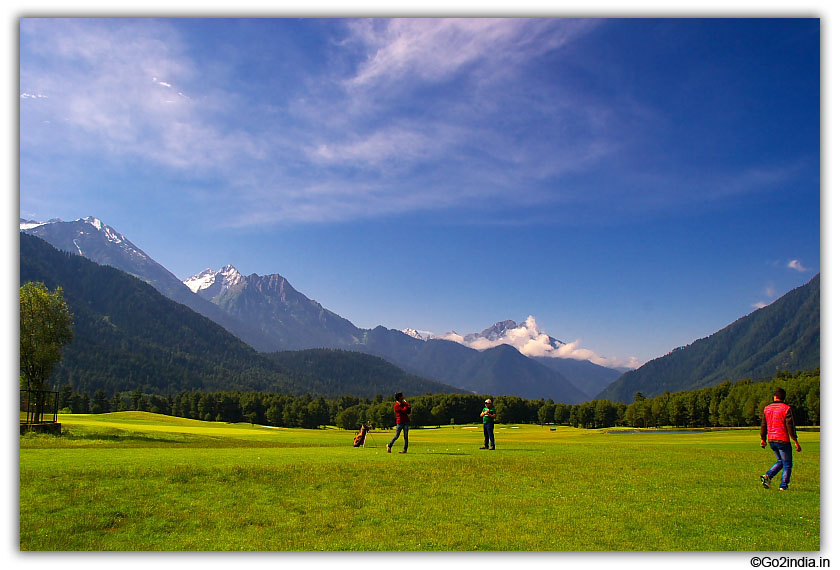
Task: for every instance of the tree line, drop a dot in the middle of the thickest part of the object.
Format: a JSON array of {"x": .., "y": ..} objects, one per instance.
[{"x": 726, "y": 405}]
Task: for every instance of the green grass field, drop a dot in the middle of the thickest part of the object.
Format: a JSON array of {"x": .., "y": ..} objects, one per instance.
[{"x": 138, "y": 481}]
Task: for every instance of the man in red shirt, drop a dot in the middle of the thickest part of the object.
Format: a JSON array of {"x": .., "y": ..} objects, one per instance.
[
  {"x": 777, "y": 426},
  {"x": 401, "y": 409}
]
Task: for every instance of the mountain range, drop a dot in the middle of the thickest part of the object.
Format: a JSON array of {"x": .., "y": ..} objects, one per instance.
[
  {"x": 128, "y": 336},
  {"x": 94, "y": 240},
  {"x": 268, "y": 314}
]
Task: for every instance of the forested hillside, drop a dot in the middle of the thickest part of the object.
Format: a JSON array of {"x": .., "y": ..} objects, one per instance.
[
  {"x": 128, "y": 336},
  {"x": 782, "y": 336}
]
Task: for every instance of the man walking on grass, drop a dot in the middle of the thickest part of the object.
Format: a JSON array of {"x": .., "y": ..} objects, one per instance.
[
  {"x": 401, "y": 409},
  {"x": 777, "y": 426}
]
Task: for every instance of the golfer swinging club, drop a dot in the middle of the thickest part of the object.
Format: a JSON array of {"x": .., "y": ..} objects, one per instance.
[{"x": 401, "y": 409}]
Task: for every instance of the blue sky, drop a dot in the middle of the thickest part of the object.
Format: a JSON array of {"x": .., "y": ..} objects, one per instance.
[{"x": 631, "y": 184}]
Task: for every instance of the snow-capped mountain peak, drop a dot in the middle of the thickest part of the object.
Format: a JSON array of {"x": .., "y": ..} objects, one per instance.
[
  {"x": 225, "y": 278},
  {"x": 81, "y": 237},
  {"x": 416, "y": 334},
  {"x": 231, "y": 275},
  {"x": 110, "y": 233}
]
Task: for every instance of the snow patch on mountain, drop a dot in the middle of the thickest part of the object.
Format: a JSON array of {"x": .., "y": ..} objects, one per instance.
[
  {"x": 201, "y": 280},
  {"x": 29, "y": 224},
  {"x": 95, "y": 222}
]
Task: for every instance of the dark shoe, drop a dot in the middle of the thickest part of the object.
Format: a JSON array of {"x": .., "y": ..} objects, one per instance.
[
  {"x": 765, "y": 481},
  {"x": 492, "y": 449},
  {"x": 403, "y": 451},
  {"x": 484, "y": 447},
  {"x": 389, "y": 448}
]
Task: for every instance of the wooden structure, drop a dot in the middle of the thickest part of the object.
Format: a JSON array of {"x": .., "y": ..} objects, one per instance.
[{"x": 39, "y": 411}]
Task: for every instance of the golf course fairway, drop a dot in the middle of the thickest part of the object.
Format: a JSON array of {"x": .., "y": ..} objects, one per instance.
[{"x": 140, "y": 481}]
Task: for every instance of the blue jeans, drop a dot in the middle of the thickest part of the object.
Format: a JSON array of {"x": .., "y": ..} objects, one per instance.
[
  {"x": 489, "y": 439},
  {"x": 784, "y": 456},
  {"x": 404, "y": 429}
]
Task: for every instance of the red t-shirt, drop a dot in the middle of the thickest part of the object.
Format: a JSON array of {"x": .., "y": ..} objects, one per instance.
[{"x": 402, "y": 409}]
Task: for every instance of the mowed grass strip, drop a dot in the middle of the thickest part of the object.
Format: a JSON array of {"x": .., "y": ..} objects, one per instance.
[{"x": 138, "y": 485}]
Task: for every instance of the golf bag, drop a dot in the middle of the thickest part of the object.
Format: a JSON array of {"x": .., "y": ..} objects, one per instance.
[{"x": 360, "y": 438}]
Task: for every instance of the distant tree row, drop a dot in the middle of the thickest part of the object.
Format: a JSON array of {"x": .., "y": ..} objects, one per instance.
[
  {"x": 725, "y": 405},
  {"x": 728, "y": 404}
]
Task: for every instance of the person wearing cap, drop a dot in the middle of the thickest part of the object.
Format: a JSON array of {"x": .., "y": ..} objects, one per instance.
[
  {"x": 777, "y": 426},
  {"x": 488, "y": 415}
]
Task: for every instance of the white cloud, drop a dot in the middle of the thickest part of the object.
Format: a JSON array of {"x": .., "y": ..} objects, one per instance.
[
  {"x": 531, "y": 341},
  {"x": 797, "y": 265}
]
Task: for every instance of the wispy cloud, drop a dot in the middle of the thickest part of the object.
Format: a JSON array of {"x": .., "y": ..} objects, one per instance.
[
  {"x": 770, "y": 293},
  {"x": 412, "y": 115},
  {"x": 796, "y": 265},
  {"x": 434, "y": 50},
  {"x": 114, "y": 89}
]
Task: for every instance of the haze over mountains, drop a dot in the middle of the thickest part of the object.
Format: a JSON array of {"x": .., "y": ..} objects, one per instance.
[{"x": 267, "y": 313}]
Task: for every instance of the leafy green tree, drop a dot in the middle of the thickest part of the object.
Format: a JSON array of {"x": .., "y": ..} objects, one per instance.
[
  {"x": 252, "y": 408},
  {"x": 545, "y": 414},
  {"x": 381, "y": 415},
  {"x": 561, "y": 413},
  {"x": 46, "y": 325},
  {"x": 351, "y": 418},
  {"x": 604, "y": 414},
  {"x": 813, "y": 402},
  {"x": 274, "y": 414},
  {"x": 631, "y": 417},
  {"x": 100, "y": 403},
  {"x": 64, "y": 396},
  {"x": 677, "y": 409},
  {"x": 158, "y": 405},
  {"x": 439, "y": 414},
  {"x": 117, "y": 404},
  {"x": 317, "y": 413},
  {"x": 421, "y": 413}
]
